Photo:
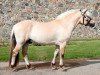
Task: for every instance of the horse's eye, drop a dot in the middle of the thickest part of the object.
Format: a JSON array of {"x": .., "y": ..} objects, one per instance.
[
  {"x": 84, "y": 16},
  {"x": 87, "y": 20}
]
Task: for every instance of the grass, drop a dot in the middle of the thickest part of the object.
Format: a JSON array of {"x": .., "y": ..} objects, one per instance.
[{"x": 75, "y": 50}]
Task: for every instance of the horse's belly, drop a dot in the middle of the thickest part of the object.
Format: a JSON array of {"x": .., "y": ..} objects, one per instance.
[{"x": 42, "y": 38}]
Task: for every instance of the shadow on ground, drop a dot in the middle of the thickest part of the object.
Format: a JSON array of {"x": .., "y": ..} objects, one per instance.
[{"x": 68, "y": 64}]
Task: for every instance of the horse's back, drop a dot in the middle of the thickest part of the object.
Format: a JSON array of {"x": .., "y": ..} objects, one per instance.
[{"x": 24, "y": 23}]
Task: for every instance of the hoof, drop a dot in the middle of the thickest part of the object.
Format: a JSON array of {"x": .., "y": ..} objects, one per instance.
[
  {"x": 14, "y": 70},
  {"x": 12, "y": 66},
  {"x": 63, "y": 68},
  {"x": 29, "y": 66},
  {"x": 53, "y": 66}
]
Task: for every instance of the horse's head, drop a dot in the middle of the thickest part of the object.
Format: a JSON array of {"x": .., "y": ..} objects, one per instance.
[{"x": 86, "y": 18}]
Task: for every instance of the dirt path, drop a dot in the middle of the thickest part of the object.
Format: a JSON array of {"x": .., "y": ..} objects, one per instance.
[{"x": 72, "y": 67}]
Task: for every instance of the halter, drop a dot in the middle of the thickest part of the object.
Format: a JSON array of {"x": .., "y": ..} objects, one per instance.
[{"x": 84, "y": 16}]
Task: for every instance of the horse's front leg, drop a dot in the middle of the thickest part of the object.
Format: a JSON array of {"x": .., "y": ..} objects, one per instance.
[
  {"x": 24, "y": 53},
  {"x": 61, "y": 53},
  {"x": 54, "y": 58}
]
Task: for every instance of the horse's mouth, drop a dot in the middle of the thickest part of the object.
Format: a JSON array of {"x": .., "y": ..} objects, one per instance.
[{"x": 90, "y": 24}]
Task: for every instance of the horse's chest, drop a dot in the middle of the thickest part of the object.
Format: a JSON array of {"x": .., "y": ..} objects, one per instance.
[{"x": 63, "y": 34}]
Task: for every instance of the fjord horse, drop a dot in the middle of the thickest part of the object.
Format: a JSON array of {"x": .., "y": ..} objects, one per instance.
[{"x": 55, "y": 32}]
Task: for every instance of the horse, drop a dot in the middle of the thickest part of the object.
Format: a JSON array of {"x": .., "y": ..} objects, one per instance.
[{"x": 56, "y": 32}]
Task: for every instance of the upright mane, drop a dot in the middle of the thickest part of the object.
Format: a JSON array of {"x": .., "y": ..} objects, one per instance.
[{"x": 66, "y": 13}]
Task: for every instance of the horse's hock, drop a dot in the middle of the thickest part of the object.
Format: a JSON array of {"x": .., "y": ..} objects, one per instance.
[{"x": 13, "y": 11}]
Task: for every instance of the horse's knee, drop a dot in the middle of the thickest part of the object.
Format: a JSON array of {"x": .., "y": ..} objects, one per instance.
[
  {"x": 16, "y": 50},
  {"x": 15, "y": 53}
]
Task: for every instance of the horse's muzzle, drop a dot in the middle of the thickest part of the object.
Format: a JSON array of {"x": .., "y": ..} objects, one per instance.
[{"x": 91, "y": 24}]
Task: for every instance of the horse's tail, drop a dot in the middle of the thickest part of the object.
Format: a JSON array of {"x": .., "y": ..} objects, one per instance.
[{"x": 12, "y": 46}]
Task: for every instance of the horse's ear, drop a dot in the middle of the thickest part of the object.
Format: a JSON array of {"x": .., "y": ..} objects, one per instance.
[{"x": 83, "y": 11}]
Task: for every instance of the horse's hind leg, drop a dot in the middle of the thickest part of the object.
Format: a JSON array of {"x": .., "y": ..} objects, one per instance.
[
  {"x": 24, "y": 52},
  {"x": 54, "y": 58},
  {"x": 15, "y": 55}
]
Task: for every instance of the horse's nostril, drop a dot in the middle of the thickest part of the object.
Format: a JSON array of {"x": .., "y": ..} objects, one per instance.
[{"x": 92, "y": 24}]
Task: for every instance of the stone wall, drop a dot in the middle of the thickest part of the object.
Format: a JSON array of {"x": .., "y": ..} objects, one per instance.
[{"x": 14, "y": 11}]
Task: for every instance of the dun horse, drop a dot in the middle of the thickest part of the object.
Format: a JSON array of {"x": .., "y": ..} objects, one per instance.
[{"x": 55, "y": 32}]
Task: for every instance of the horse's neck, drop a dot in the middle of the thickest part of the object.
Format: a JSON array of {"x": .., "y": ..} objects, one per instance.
[{"x": 71, "y": 20}]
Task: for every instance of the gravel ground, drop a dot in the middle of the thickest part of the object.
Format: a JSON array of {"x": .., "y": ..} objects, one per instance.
[{"x": 72, "y": 67}]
